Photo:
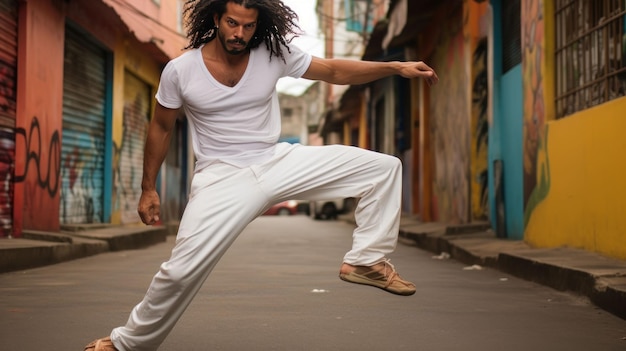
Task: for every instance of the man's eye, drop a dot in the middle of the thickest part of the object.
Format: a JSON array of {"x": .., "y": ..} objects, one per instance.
[{"x": 231, "y": 22}]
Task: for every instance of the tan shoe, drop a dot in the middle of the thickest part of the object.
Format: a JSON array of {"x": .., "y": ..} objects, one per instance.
[
  {"x": 103, "y": 344},
  {"x": 382, "y": 275}
]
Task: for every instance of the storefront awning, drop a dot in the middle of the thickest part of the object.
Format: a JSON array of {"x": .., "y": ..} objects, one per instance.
[{"x": 161, "y": 41}]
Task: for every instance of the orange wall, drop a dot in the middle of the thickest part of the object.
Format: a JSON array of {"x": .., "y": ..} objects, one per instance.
[
  {"x": 39, "y": 116},
  {"x": 39, "y": 108}
]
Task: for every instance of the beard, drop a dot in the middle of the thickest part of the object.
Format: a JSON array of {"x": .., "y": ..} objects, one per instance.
[{"x": 225, "y": 43}]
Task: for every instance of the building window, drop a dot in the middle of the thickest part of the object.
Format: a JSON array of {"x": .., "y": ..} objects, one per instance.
[
  {"x": 357, "y": 12},
  {"x": 287, "y": 113},
  {"x": 590, "y": 53},
  {"x": 511, "y": 35}
]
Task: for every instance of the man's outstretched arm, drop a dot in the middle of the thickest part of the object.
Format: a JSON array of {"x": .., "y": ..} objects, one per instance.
[{"x": 342, "y": 71}]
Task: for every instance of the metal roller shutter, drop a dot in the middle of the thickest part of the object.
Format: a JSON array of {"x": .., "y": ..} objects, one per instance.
[
  {"x": 8, "y": 72},
  {"x": 83, "y": 144},
  {"x": 136, "y": 114}
]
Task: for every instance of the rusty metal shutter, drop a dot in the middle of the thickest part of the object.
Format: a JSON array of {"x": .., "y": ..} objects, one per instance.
[
  {"x": 83, "y": 140},
  {"x": 8, "y": 62},
  {"x": 8, "y": 72},
  {"x": 137, "y": 98}
]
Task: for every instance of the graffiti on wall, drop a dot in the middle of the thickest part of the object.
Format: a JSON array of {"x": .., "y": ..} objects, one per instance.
[
  {"x": 536, "y": 165},
  {"x": 128, "y": 162},
  {"x": 82, "y": 183},
  {"x": 45, "y": 160},
  {"x": 128, "y": 152},
  {"x": 477, "y": 24},
  {"x": 40, "y": 176},
  {"x": 7, "y": 146},
  {"x": 7, "y": 160},
  {"x": 480, "y": 131}
]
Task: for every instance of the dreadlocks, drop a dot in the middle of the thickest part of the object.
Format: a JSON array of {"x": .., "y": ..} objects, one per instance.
[{"x": 276, "y": 25}]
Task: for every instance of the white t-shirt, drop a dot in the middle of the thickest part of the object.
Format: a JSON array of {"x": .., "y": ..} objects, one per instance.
[{"x": 237, "y": 125}]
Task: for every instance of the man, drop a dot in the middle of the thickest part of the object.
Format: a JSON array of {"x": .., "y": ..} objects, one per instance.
[{"x": 225, "y": 85}]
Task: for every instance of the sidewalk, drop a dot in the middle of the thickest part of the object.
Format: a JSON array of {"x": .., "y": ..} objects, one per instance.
[
  {"x": 37, "y": 248},
  {"x": 601, "y": 279}
]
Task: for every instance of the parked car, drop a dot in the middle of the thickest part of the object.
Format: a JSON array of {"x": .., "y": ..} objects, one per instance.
[
  {"x": 285, "y": 208},
  {"x": 326, "y": 209}
]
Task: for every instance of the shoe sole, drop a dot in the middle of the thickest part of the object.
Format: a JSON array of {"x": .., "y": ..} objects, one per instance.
[{"x": 358, "y": 279}]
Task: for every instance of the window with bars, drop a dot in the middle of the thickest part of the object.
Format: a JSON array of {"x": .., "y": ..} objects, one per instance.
[
  {"x": 511, "y": 35},
  {"x": 590, "y": 53},
  {"x": 356, "y": 12}
]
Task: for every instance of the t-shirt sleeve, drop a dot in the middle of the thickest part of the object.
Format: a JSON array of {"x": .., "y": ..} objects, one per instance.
[
  {"x": 168, "y": 94},
  {"x": 298, "y": 62}
]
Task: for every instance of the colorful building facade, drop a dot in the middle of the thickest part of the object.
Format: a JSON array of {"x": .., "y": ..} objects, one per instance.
[
  {"x": 523, "y": 129},
  {"x": 574, "y": 171},
  {"x": 77, "y": 94}
]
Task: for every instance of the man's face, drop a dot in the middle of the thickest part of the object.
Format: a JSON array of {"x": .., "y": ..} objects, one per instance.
[{"x": 236, "y": 27}]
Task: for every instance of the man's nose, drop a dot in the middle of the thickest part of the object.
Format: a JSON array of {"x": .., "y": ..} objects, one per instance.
[{"x": 238, "y": 32}]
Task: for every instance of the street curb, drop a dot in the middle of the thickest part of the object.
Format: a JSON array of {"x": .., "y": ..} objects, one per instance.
[
  {"x": 603, "y": 285},
  {"x": 127, "y": 238},
  {"x": 601, "y": 279},
  {"x": 38, "y": 248},
  {"x": 35, "y": 253}
]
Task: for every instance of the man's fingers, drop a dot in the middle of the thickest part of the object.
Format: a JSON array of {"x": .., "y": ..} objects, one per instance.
[
  {"x": 432, "y": 78},
  {"x": 150, "y": 215}
]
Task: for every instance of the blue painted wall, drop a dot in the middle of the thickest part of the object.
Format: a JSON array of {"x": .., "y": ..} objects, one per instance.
[{"x": 506, "y": 136}]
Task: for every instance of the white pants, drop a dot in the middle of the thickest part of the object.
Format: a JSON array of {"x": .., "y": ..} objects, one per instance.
[{"x": 224, "y": 199}]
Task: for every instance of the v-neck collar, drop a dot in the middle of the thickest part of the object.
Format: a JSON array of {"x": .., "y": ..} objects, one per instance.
[{"x": 218, "y": 83}]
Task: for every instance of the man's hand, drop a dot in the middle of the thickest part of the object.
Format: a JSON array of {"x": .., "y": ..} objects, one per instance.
[
  {"x": 149, "y": 208},
  {"x": 419, "y": 70}
]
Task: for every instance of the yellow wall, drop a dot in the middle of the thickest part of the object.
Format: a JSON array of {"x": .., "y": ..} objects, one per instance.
[
  {"x": 127, "y": 57},
  {"x": 586, "y": 204}
]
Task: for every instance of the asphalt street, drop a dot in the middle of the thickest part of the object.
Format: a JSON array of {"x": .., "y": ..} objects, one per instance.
[{"x": 277, "y": 289}]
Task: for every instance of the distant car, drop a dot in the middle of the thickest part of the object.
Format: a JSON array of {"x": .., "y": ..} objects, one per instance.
[
  {"x": 285, "y": 208},
  {"x": 326, "y": 209}
]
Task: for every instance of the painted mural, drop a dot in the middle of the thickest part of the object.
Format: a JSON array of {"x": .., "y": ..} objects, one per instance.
[
  {"x": 577, "y": 197},
  {"x": 82, "y": 182},
  {"x": 536, "y": 165},
  {"x": 450, "y": 125},
  {"x": 476, "y": 30},
  {"x": 480, "y": 132},
  {"x": 84, "y": 116},
  {"x": 128, "y": 157}
]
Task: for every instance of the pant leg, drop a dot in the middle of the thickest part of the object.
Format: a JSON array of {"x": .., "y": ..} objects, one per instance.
[
  {"x": 223, "y": 200},
  {"x": 338, "y": 171}
]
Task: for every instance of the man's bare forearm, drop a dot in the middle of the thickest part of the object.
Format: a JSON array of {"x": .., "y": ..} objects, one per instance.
[
  {"x": 342, "y": 71},
  {"x": 157, "y": 144},
  {"x": 360, "y": 72}
]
